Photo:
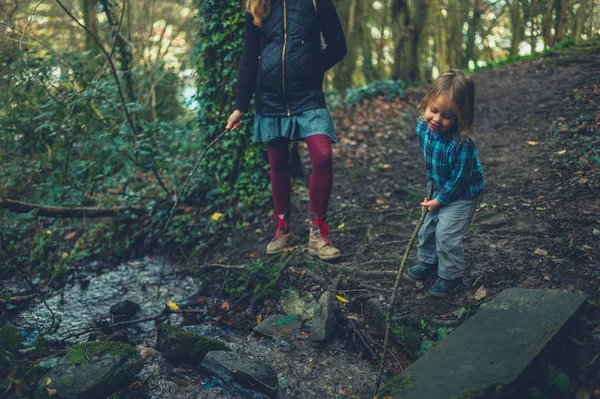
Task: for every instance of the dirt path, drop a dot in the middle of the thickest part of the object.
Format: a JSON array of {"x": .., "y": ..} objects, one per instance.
[{"x": 538, "y": 225}]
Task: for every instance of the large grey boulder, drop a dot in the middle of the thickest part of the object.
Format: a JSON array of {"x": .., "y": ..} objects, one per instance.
[{"x": 93, "y": 370}]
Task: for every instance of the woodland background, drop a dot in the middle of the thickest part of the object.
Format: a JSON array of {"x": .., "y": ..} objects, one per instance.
[{"x": 105, "y": 107}]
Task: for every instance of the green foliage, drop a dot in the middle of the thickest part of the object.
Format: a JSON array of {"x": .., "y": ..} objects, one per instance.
[
  {"x": 19, "y": 372},
  {"x": 547, "y": 52},
  {"x": 419, "y": 338},
  {"x": 234, "y": 177},
  {"x": 388, "y": 89},
  {"x": 260, "y": 278}
]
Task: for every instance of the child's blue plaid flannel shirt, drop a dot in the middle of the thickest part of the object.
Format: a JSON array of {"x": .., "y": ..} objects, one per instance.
[{"x": 453, "y": 168}]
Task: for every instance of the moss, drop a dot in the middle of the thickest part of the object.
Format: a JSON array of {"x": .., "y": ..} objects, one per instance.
[
  {"x": 408, "y": 334},
  {"x": 472, "y": 393},
  {"x": 85, "y": 352},
  {"x": 395, "y": 386},
  {"x": 177, "y": 342}
]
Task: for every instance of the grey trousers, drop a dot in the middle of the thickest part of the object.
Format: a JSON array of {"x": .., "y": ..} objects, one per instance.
[{"x": 441, "y": 237}]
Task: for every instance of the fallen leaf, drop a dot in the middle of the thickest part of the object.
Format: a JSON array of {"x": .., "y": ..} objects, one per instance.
[
  {"x": 380, "y": 201},
  {"x": 480, "y": 294},
  {"x": 70, "y": 235},
  {"x": 225, "y": 306},
  {"x": 386, "y": 166},
  {"x": 540, "y": 251},
  {"x": 561, "y": 152},
  {"x": 547, "y": 278},
  {"x": 532, "y": 142},
  {"x": 173, "y": 306},
  {"x": 48, "y": 381},
  {"x": 341, "y": 299},
  {"x": 341, "y": 225},
  {"x": 596, "y": 232},
  {"x": 217, "y": 216},
  {"x": 51, "y": 392},
  {"x": 259, "y": 319}
]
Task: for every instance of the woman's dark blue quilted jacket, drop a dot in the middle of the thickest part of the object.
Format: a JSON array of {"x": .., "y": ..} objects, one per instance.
[{"x": 283, "y": 61}]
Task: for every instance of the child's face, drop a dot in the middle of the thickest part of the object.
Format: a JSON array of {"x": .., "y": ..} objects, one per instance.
[{"x": 440, "y": 115}]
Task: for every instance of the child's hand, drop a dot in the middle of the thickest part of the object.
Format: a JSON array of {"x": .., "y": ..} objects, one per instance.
[
  {"x": 235, "y": 120},
  {"x": 430, "y": 205}
]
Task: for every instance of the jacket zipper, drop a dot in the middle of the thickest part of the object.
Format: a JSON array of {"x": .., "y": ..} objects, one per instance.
[{"x": 283, "y": 54}]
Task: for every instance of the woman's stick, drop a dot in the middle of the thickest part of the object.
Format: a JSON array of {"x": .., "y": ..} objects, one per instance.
[{"x": 388, "y": 316}]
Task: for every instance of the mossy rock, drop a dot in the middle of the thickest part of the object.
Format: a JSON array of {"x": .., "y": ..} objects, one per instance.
[
  {"x": 395, "y": 386},
  {"x": 408, "y": 334},
  {"x": 93, "y": 370},
  {"x": 181, "y": 346}
]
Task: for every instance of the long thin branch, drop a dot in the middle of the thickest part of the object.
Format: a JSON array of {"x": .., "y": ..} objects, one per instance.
[
  {"x": 388, "y": 316},
  {"x": 66, "y": 212}
]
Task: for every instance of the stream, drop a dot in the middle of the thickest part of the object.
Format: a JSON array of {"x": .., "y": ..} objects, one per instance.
[{"x": 304, "y": 368}]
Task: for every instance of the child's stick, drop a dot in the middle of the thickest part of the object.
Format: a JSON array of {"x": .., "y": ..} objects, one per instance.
[{"x": 388, "y": 316}]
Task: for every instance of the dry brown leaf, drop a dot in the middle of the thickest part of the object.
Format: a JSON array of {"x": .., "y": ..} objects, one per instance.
[
  {"x": 480, "y": 294},
  {"x": 540, "y": 251}
]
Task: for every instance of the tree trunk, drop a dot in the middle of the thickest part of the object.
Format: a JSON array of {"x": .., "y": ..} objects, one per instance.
[
  {"x": 547, "y": 28},
  {"x": 124, "y": 49},
  {"x": 471, "y": 31},
  {"x": 455, "y": 22},
  {"x": 441, "y": 36},
  {"x": 364, "y": 33},
  {"x": 400, "y": 34},
  {"x": 90, "y": 22},
  {"x": 533, "y": 36},
  {"x": 343, "y": 71},
  {"x": 515, "y": 21},
  {"x": 560, "y": 28},
  {"x": 591, "y": 28},
  {"x": 581, "y": 12}
]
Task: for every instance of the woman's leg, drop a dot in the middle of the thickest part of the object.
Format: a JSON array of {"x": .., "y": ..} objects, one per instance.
[
  {"x": 319, "y": 191},
  {"x": 321, "y": 179},
  {"x": 279, "y": 155}
]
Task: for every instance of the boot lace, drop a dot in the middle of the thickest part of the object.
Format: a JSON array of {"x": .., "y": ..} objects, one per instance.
[
  {"x": 324, "y": 229},
  {"x": 282, "y": 225}
]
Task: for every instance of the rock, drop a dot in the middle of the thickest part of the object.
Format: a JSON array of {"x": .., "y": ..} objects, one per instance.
[
  {"x": 323, "y": 324},
  {"x": 93, "y": 370},
  {"x": 299, "y": 302},
  {"x": 490, "y": 351},
  {"x": 279, "y": 326},
  {"x": 249, "y": 373},
  {"x": 181, "y": 346},
  {"x": 124, "y": 310}
]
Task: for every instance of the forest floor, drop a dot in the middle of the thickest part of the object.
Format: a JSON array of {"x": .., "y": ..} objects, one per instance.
[
  {"x": 537, "y": 226},
  {"x": 538, "y": 223}
]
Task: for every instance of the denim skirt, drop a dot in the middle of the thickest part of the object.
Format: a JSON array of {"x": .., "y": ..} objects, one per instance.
[{"x": 294, "y": 127}]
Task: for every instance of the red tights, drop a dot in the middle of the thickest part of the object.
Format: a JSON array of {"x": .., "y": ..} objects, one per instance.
[{"x": 321, "y": 179}]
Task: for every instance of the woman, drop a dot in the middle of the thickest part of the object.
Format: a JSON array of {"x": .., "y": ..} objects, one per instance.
[{"x": 283, "y": 61}]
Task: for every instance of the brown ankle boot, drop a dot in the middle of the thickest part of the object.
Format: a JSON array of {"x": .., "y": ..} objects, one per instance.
[
  {"x": 318, "y": 243},
  {"x": 282, "y": 238}
]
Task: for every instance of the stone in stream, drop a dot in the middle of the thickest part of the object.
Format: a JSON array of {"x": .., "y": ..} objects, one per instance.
[
  {"x": 302, "y": 303},
  {"x": 181, "y": 346},
  {"x": 124, "y": 310},
  {"x": 490, "y": 351},
  {"x": 280, "y": 326},
  {"x": 93, "y": 370},
  {"x": 231, "y": 368}
]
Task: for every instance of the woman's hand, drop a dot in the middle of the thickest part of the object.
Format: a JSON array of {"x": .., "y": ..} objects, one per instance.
[
  {"x": 430, "y": 205},
  {"x": 235, "y": 120}
]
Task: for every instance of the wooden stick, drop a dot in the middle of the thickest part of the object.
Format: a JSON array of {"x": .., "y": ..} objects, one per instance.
[{"x": 388, "y": 316}]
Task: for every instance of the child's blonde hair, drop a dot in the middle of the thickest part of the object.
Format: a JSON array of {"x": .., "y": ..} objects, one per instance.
[
  {"x": 461, "y": 90},
  {"x": 259, "y": 9}
]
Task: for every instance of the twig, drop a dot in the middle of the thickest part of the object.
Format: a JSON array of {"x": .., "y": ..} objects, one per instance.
[
  {"x": 164, "y": 232},
  {"x": 388, "y": 316},
  {"x": 65, "y": 212}
]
